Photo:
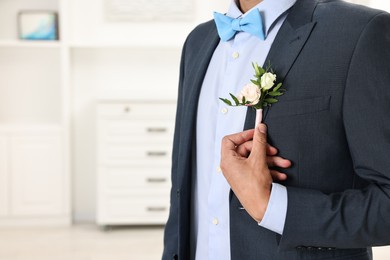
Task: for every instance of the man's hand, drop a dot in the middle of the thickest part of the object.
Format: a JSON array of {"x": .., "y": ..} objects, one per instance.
[
  {"x": 272, "y": 159},
  {"x": 249, "y": 177}
]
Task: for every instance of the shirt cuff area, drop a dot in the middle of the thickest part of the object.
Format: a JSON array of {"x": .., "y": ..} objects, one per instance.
[{"x": 275, "y": 215}]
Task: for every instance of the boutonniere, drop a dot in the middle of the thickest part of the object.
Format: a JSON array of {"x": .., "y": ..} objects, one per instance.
[{"x": 263, "y": 91}]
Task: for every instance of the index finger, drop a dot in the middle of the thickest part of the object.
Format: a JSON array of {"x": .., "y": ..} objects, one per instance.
[
  {"x": 259, "y": 148},
  {"x": 230, "y": 142}
]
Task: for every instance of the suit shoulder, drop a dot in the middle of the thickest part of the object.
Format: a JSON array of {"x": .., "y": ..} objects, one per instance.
[
  {"x": 201, "y": 33},
  {"x": 345, "y": 11},
  {"x": 202, "y": 29},
  {"x": 344, "y": 18}
]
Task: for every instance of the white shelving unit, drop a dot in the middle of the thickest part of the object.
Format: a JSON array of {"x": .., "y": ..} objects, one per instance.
[
  {"x": 49, "y": 90},
  {"x": 34, "y": 122}
]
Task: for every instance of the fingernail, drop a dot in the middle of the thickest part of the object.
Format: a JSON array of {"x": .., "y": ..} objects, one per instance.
[{"x": 262, "y": 128}]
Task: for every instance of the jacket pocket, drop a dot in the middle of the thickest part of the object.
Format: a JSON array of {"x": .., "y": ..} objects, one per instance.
[{"x": 299, "y": 106}]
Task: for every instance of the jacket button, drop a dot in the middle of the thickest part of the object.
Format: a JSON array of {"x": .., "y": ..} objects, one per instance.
[{"x": 175, "y": 257}]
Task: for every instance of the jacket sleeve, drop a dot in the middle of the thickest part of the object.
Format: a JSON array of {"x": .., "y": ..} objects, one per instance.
[
  {"x": 354, "y": 218},
  {"x": 171, "y": 228}
]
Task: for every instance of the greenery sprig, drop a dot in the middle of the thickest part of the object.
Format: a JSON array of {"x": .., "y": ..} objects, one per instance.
[{"x": 261, "y": 92}]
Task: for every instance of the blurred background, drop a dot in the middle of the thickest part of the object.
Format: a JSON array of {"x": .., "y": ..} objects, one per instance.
[{"x": 87, "y": 105}]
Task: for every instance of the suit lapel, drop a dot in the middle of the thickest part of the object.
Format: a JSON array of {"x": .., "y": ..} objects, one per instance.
[
  {"x": 197, "y": 71},
  {"x": 195, "y": 75},
  {"x": 287, "y": 45}
]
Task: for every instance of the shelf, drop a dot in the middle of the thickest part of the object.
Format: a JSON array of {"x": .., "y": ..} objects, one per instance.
[
  {"x": 121, "y": 100},
  {"x": 120, "y": 45},
  {"x": 86, "y": 45},
  {"x": 30, "y": 44},
  {"x": 30, "y": 128}
]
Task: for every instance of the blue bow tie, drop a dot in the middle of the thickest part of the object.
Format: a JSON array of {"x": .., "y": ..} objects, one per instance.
[{"x": 228, "y": 27}]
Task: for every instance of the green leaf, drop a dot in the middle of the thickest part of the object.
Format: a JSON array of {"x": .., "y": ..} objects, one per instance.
[
  {"x": 262, "y": 71},
  {"x": 255, "y": 82},
  {"x": 256, "y": 67},
  {"x": 275, "y": 93},
  {"x": 268, "y": 65},
  {"x": 258, "y": 70},
  {"x": 277, "y": 87},
  {"x": 226, "y": 101},
  {"x": 271, "y": 100},
  {"x": 235, "y": 99},
  {"x": 243, "y": 100}
]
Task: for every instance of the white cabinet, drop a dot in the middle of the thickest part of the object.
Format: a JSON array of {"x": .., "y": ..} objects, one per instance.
[
  {"x": 32, "y": 180},
  {"x": 34, "y": 121},
  {"x": 36, "y": 177},
  {"x": 134, "y": 151}
]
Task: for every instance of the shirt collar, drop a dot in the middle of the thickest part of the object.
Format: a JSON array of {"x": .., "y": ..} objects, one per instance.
[{"x": 270, "y": 10}]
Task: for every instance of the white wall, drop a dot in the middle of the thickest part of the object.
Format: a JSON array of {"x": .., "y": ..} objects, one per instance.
[{"x": 380, "y": 4}]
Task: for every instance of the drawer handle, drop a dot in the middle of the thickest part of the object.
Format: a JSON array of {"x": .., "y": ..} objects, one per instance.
[
  {"x": 156, "y": 130},
  {"x": 156, "y": 180},
  {"x": 156, "y": 209},
  {"x": 157, "y": 154}
]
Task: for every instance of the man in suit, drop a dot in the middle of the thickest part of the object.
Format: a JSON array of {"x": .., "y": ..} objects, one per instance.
[{"x": 332, "y": 200}]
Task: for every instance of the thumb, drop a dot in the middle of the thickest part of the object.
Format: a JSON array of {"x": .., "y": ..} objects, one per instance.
[{"x": 259, "y": 149}]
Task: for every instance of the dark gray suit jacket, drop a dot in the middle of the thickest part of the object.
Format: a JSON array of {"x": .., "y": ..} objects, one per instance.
[{"x": 333, "y": 123}]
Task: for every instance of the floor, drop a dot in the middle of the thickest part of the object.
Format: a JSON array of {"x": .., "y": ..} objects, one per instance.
[
  {"x": 87, "y": 242},
  {"x": 82, "y": 242}
]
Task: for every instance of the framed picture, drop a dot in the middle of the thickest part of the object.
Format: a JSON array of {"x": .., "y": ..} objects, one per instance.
[{"x": 38, "y": 25}]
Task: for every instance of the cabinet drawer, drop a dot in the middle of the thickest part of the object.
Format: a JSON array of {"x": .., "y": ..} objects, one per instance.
[
  {"x": 126, "y": 179},
  {"x": 138, "y": 140},
  {"x": 137, "y": 127},
  {"x": 136, "y": 155},
  {"x": 138, "y": 110},
  {"x": 135, "y": 210},
  {"x": 136, "y": 131}
]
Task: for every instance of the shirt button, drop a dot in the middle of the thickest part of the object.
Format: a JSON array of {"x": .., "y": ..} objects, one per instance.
[
  {"x": 224, "y": 110},
  {"x": 219, "y": 169},
  {"x": 215, "y": 221},
  {"x": 235, "y": 55}
]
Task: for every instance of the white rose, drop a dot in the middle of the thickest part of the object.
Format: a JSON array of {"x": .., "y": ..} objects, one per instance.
[
  {"x": 251, "y": 92},
  {"x": 267, "y": 80}
]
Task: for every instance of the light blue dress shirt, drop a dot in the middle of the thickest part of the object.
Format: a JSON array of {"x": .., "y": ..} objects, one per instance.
[{"x": 229, "y": 70}]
